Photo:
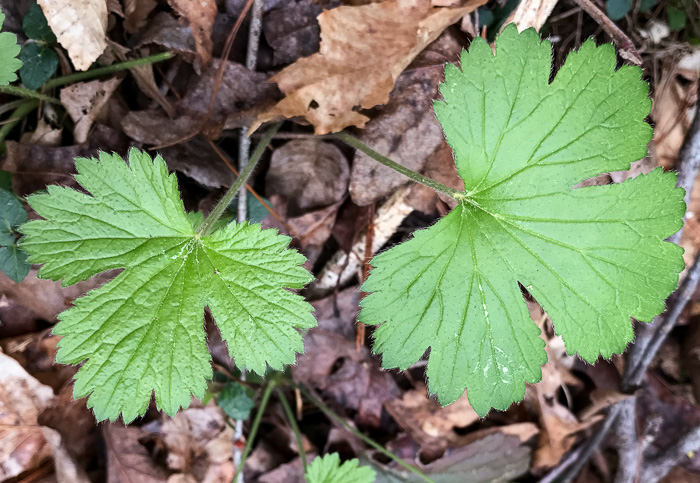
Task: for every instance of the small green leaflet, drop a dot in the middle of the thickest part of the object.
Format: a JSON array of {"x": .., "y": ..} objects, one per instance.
[
  {"x": 9, "y": 49},
  {"x": 13, "y": 261},
  {"x": 39, "y": 60},
  {"x": 592, "y": 257},
  {"x": 143, "y": 331},
  {"x": 236, "y": 401},
  {"x": 328, "y": 469}
]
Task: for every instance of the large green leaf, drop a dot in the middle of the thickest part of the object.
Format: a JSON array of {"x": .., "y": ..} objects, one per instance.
[
  {"x": 143, "y": 331},
  {"x": 592, "y": 257}
]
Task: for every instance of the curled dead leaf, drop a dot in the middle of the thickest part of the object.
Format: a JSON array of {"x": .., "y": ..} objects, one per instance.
[
  {"x": 363, "y": 51},
  {"x": 84, "y": 103},
  {"x": 200, "y": 15},
  {"x": 23, "y": 445},
  {"x": 79, "y": 26}
]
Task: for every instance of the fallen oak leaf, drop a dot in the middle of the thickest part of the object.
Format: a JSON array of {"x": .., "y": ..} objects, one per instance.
[
  {"x": 79, "y": 26},
  {"x": 363, "y": 51}
]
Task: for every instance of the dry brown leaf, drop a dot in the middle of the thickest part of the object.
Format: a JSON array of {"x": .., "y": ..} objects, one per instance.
[
  {"x": 46, "y": 298},
  {"x": 309, "y": 173},
  {"x": 84, "y": 103},
  {"x": 200, "y": 15},
  {"x": 136, "y": 12},
  {"x": 363, "y": 51},
  {"x": 292, "y": 31},
  {"x": 200, "y": 444},
  {"x": 44, "y": 135},
  {"x": 675, "y": 101},
  {"x": 430, "y": 424},
  {"x": 558, "y": 424},
  {"x": 127, "y": 459},
  {"x": 143, "y": 74},
  {"x": 531, "y": 13},
  {"x": 23, "y": 445},
  {"x": 240, "y": 89},
  {"x": 311, "y": 229},
  {"x": 350, "y": 378},
  {"x": 406, "y": 129},
  {"x": 80, "y": 27}
]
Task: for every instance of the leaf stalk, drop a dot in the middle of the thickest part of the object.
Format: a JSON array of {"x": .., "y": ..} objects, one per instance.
[
  {"x": 409, "y": 173},
  {"x": 108, "y": 69},
  {"x": 24, "y": 92},
  {"x": 295, "y": 427},
  {"x": 254, "y": 428},
  {"x": 205, "y": 228}
]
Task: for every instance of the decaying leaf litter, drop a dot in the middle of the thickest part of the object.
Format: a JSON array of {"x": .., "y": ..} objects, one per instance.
[{"x": 324, "y": 195}]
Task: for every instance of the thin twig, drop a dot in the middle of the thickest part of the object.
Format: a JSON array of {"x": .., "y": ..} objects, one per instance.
[
  {"x": 654, "y": 469},
  {"x": 332, "y": 415},
  {"x": 243, "y": 149},
  {"x": 626, "y": 47},
  {"x": 628, "y": 447}
]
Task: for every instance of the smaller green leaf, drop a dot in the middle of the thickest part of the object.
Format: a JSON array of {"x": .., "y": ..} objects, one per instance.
[
  {"x": 617, "y": 9},
  {"x": 36, "y": 27},
  {"x": 256, "y": 211},
  {"x": 646, "y": 5},
  {"x": 9, "y": 63},
  {"x": 13, "y": 263},
  {"x": 12, "y": 214},
  {"x": 329, "y": 470},
  {"x": 235, "y": 401},
  {"x": 39, "y": 64},
  {"x": 5, "y": 180},
  {"x": 677, "y": 19}
]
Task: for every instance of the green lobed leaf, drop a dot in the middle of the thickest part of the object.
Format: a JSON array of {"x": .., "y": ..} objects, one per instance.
[
  {"x": 36, "y": 27},
  {"x": 142, "y": 333},
  {"x": 12, "y": 214},
  {"x": 39, "y": 63},
  {"x": 617, "y": 9},
  {"x": 327, "y": 469},
  {"x": 13, "y": 262},
  {"x": 677, "y": 18},
  {"x": 9, "y": 49},
  {"x": 235, "y": 400},
  {"x": 591, "y": 256}
]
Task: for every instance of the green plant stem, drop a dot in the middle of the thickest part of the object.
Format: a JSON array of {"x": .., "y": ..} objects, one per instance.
[
  {"x": 254, "y": 428},
  {"x": 109, "y": 69},
  {"x": 294, "y": 426},
  {"x": 206, "y": 226},
  {"x": 364, "y": 438},
  {"x": 17, "y": 115},
  {"x": 23, "y": 92},
  {"x": 430, "y": 183}
]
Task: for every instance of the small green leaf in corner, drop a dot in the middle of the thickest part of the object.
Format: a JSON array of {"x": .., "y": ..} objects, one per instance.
[
  {"x": 327, "y": 469},
  {"x": 9, "y": 49},
  {"x": 236, "y": 401}
]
